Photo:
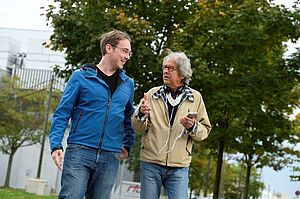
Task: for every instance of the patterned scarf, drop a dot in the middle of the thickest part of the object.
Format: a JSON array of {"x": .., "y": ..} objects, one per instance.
[{"x": 184, "y": 90}]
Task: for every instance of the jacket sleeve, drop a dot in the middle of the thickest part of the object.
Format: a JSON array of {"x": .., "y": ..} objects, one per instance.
[
  {"x": 203, "y": 127},
  {"x": 63, "y": 112},
  {"x": 139, "y": 124},
  {"x": 128, "y": 137}
]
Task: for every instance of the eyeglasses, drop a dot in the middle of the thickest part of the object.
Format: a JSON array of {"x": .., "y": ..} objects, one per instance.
[
  {"x": 124, "y": 50},
  {"x": 169, "y": 67}
]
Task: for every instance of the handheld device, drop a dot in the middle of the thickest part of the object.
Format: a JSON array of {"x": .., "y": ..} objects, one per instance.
[{"x": 192, "y": 115}]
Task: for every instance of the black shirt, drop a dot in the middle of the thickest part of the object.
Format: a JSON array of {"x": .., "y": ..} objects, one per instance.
[{"x": 111, "y": 81}]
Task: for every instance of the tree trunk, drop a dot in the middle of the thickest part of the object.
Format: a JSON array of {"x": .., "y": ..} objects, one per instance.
[
  {"x": 207, "y": 178},
  {"x": 191, "y": 190},
  {"x": 219, "y": 169},
  {"x": 8, "y": 171},
  {"x": 247, "y": 181}
]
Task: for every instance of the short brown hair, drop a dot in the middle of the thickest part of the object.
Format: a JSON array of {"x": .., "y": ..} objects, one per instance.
[{"x": 113, "y": 37}]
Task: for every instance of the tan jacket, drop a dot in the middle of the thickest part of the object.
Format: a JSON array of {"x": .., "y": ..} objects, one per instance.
[{"x": 170, "y": 145}]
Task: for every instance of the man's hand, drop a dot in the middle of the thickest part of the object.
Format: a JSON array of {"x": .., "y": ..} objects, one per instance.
[
  {"x": 124, "y": 154},
  {"x": 58, "y": 158},
  {"x": 145, "y": 108},
  {"x": 187, "y": 122}
]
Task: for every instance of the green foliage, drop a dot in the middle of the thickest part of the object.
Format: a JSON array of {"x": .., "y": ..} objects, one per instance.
[
  {"x": 234, "y": 182},
  {"x": 237, "y": 50},
  {"x": 237, "y": 53},
  {"x": 21, "y": 119},
  {"x": 78, "y": 26},
  {"x": 202, "y": 170},
  {"x": 240, "y": 67},
  {"x": 296, "y": 173},
  {"x": 22, "y": 115},
  {"x": 134, "y": 157},
  {"x": 296, "y": 167},
  {"x": 202, "y": 173}
]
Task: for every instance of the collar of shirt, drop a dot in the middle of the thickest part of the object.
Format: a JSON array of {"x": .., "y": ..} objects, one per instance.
[{"x": 164, "y": 90}]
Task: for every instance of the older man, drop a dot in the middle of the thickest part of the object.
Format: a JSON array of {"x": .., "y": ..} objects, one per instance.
[{"x": 171, "y": 117}]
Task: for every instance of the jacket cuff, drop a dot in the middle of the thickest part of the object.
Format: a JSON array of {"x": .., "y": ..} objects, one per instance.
[
  {"x": 193, "y": 129},
  {"x": 56, "y": 148},
  {"x": 139, "y": 115},
  {"x": 127, "y": 148}
]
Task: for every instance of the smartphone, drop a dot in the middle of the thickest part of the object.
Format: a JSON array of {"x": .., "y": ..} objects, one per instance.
[{"x": 192, "y": 114}]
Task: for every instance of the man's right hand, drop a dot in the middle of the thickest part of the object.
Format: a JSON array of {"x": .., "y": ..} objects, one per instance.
[
  {"x": 145, "y": 108},
  {"x": 58, "y": 158}
]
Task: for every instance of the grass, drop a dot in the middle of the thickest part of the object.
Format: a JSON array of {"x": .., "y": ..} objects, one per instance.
[{"x": 9, "y": 193}]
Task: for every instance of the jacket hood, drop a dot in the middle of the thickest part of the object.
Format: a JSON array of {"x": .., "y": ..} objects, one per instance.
[{"x": 91, "y": 71}]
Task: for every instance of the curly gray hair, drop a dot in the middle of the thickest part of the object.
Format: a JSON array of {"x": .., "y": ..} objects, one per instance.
[{"x": 183, "y": 63}]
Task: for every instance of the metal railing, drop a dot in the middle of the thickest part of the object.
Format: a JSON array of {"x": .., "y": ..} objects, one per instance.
[{"x": 37, "y": 79}]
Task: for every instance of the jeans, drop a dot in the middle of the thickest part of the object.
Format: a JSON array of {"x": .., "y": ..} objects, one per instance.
[
  {"x": 88, "y": 172},
  {"x": 154, "y": 176}
]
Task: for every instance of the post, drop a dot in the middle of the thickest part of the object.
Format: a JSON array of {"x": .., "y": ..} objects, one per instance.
[
  {"x": 122, "y": 173},
  {"x": 45, "y": 128}
]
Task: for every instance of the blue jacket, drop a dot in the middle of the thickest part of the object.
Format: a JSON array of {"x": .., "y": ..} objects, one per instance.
[{"x": 98, "y": 119}]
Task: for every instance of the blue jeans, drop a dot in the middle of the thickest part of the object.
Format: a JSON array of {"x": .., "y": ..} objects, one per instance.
[
  {"x": 88, "y": 172},
  {"x": 174, "y": 179}
]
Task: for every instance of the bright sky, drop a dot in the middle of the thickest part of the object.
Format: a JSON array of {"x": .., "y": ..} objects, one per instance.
[{"x": 25, "y": 14}]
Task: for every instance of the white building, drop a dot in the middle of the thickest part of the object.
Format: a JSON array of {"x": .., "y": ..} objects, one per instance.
[{"x": 16, "y": 44}]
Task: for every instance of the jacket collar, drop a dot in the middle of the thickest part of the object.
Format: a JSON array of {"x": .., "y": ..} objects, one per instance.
[{"x": 92, "y": 72}]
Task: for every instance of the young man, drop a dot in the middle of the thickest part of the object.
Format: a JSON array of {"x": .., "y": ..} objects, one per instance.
[
  {"x": 171, "y": 117},
  {"x": 99, "y": 101}
]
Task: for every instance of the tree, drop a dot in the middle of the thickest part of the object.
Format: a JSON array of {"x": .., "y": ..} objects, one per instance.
[
  {"x": 201, "y": 171},
  {"x": 296, "y": 169},
  {"x": 233, "y": 176},
  {"x": 234, "y": 181},
  {"x": 21, "y": 119},
  {"x": 78, "y": 26},
  {"x": 237, "y": 49},
  {"x": 294, "y": 62}
]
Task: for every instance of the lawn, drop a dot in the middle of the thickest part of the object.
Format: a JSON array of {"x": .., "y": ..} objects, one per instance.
[{"x": 9, "y": 193}]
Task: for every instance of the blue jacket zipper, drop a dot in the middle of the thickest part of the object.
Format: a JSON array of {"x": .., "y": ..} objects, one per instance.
[
  {"x": 106, "y": 115},
  {"x": 105, "y": 121}
]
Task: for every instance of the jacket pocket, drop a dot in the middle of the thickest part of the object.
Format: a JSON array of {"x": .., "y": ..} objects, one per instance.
[
  {"x": 142, "y": 142},
  {"x": 189, "y": 146},
  {"x": 80, "y": 116}
]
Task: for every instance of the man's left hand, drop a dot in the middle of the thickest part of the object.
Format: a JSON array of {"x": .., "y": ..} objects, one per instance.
[
  {"x": 187, "y": 122},
  {"x": 124, "y": 154}
]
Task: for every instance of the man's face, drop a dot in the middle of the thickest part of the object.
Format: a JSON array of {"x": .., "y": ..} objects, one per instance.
[
  {"x": 120, "y": 53},
  {"x": 171, "y": 75}
]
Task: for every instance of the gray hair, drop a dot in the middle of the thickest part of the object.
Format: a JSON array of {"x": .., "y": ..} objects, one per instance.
[{"x": 183, "y": 63}]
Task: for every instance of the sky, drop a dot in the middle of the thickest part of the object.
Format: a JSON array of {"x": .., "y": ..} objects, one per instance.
[
  {"x": 22, "y": 14},
  {"x": 25, "y": 14}
]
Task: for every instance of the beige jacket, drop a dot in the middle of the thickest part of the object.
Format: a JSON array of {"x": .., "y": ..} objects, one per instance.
[{"x": 170, "y": 145}]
